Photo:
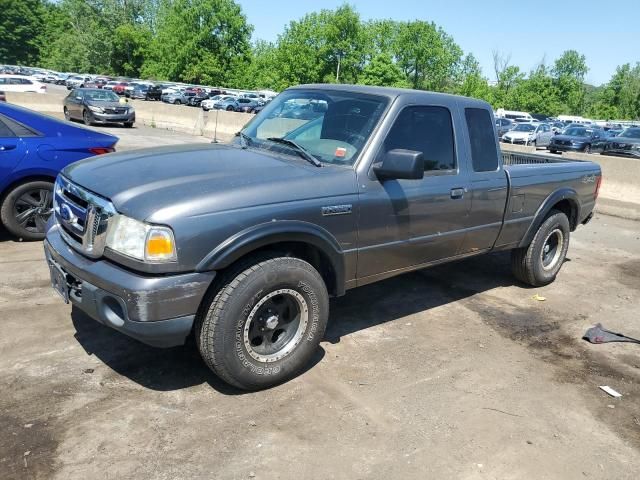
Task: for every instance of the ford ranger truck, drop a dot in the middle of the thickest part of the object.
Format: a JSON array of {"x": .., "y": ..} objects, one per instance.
[{"x": 329, "y": 188}]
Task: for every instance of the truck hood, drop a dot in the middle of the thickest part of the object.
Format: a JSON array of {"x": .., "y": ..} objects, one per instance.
[{"x": 162, "y": 183}]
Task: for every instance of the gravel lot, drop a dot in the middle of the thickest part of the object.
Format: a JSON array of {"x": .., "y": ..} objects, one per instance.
[{"x": 453, "y": 372}]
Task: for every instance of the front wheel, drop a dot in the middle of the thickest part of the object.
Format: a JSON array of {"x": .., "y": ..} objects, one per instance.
[
  {"x": 128, "y": 124},
  {"x": 86, "y": 118},
  {"x": 265, "y": 322},
  {"x": 26, "y": 209},
  {"x": 67, "y": 115},
  {"x": 587, "y": 148},
  {"x": 539, "y": 263},
  {"x": 177, "y": 102}
]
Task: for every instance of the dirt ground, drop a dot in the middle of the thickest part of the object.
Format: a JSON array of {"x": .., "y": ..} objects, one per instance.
[{"x": 450, "y": 373}]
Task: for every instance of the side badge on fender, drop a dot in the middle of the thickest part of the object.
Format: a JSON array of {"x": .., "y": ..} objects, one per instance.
[{"x": 336, "y": 210}]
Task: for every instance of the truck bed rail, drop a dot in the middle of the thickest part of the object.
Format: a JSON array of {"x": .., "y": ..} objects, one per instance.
[{"x": 518, "y": 158}]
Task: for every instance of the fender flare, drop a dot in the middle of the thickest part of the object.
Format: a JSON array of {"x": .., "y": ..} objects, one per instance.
[
  {"x": 546, "y": 206},
  {"x": 262, "y": 235}
]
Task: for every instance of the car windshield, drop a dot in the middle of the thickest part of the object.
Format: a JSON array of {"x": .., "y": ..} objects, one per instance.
[
  {"x": 525, "y": 127},
  {"x": 101, "y": 96},
  {"x": 630, "y": 133},
  {"x": 332, "y": 126},
  {"x": 577, "y": 132}
]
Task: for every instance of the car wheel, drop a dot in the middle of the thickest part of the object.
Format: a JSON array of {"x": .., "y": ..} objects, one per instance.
[
  {"x": 587, "y": 148},
  {"x": 229, "y": 108},
  {"x": 205, "y": 109},
  {"x": 86, "y": 117},
  {"x": 67, "y": 115},
  {"x": 177, "y": 102},
  {"x": 539, "y": 263},
  {"x": 534, "y": 144},
  {"x": 264, "y": 323},
  {"x": 26, "y": 209},
  {"x": 128, "y": 124}
]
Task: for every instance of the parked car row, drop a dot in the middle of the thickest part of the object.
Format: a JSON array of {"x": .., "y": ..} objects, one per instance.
[{"x": 575, "y": 137}]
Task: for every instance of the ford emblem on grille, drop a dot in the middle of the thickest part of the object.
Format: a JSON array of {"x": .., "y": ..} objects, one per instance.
[{"x": 67, "y": 214}]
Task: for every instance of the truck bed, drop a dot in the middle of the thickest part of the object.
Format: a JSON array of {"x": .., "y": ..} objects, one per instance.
[{"x": 533, "y": 180}]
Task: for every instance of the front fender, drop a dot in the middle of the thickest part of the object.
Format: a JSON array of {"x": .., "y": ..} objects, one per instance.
[{"x": 265, "y": 234}]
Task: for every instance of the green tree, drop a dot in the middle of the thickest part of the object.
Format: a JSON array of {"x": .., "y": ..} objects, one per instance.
[
  {"x": 569, "y": 71},
  {"x": 469, "y": 80},
  {"x": 344, "y": 41},
  {"x": 21, "y": 22},
  {"x": 129, "y": 49},
  {"x": 427, "y": 55},
  {"x": 382, "y": 71},
  {"x": 198, "y": 41}
]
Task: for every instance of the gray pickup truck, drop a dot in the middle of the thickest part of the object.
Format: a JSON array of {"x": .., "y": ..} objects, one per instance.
[{"x": 329, "y": 188}]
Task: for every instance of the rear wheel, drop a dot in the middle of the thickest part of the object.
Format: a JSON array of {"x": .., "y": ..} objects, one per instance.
[
  {"x": 26, "y": 209},
  {"x": 539, "y": 263},
  {"x": 265, "y": 322}
]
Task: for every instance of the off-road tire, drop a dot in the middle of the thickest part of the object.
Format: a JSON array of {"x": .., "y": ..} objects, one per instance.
[
  {"x": 220, "y": 323},
  {"x": 527, "y": 262}
]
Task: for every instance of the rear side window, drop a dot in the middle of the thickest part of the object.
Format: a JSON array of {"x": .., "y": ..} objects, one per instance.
[
  {"x": 428, "y": 130},
  {"x": 484, "y": 154},
  {"x": 11, "y": 128},
  {"x": 4, "y": 130}
]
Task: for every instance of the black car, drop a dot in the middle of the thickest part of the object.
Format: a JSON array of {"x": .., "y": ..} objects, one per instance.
[
  {"x": 92, "y": 105},
  {"x": 579, "y": 139},
  {"x": 3, "y": 97},
  {"x": 626, "y": 144},
  {"x": 154, "y": 92},
  {"x": 197, "y": 99}
]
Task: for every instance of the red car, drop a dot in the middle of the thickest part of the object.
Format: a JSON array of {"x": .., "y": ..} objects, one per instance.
[{"x": 119, "y": 88}]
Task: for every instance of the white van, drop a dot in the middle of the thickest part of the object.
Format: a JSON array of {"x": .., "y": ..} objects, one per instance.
[
  {"x": 513, "y": 114},
  {"x": 21, "y": 83}
]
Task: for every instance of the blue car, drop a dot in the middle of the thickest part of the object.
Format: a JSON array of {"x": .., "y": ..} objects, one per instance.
[{"x": 33, "y": 150}]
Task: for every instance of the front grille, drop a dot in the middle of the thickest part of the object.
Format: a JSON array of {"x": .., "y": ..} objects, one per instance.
[
  {"x": 119, "y": 111},
  {"x": 82, "y": 216}
]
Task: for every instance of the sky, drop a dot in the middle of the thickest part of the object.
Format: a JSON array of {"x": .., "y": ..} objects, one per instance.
[{"x": 608, "y": 34}]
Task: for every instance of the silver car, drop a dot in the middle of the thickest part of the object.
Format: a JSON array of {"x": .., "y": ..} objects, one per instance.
[{"x": 535, "y": 134}]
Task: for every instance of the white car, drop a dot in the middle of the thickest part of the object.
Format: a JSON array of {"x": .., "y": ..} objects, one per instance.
[
  {"x": 536, "y": 134},
  {"x": 21, "y": 83},
  {"x": 210, "y": 103}
]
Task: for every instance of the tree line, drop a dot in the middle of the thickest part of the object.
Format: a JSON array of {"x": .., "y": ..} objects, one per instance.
[{"x": 209, "y": 42}]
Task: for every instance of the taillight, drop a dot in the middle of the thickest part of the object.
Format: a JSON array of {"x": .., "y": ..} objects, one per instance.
[
  {"x": 101, "y": 150},
  {"x": 598, "y": 183}
]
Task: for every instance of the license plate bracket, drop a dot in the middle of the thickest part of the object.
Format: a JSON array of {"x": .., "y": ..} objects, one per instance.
[{"x": 59, "y": 281}]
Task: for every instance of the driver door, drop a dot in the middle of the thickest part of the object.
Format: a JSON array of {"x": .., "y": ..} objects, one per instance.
[{"x": 405, "y": 223}]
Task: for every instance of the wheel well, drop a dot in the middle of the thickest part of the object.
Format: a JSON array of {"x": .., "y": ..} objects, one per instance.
[
  {"x": 304, "y": 251},
  {"x": 570, "y": 209},
  {"x": 20, "y": 181}
]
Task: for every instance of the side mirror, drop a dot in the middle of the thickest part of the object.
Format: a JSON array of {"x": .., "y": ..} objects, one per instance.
[
  {"x": 78, "y": 98},
  {"x": 401, "y": 164}
]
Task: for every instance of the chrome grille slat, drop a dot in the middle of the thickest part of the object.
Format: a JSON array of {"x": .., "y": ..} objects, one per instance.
[{"x": 89, "y": 224}]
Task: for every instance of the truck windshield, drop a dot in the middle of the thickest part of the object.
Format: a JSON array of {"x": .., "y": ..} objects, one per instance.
[{"x": 332, "y": 126}]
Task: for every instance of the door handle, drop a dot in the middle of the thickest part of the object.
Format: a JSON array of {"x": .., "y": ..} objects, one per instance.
[
  {"x": 457, "y": 193},
  {"x": 4, "y": 148}
]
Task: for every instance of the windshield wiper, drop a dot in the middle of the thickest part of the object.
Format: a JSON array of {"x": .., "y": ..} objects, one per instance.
[{"x": 301, "y": 150}]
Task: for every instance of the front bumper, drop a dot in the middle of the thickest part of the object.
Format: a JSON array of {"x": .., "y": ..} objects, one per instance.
[
  {"x": 515, "y": 141},
  {"x": 566, "y": 148},
  {"x": 156, "y": 310},
  {"x": 113, "y": 117}
]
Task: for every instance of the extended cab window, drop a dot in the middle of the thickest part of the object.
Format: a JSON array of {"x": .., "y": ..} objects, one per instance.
[
  {"x": 484, "y": 154},
  {"x": 428, "y": 130},
  {"x": 4, "y": 130}
]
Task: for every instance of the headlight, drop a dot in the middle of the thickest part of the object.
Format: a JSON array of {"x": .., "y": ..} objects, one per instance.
[
  {"x": 139, "y": 240},
  {"x": 96, "y": 109}
]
